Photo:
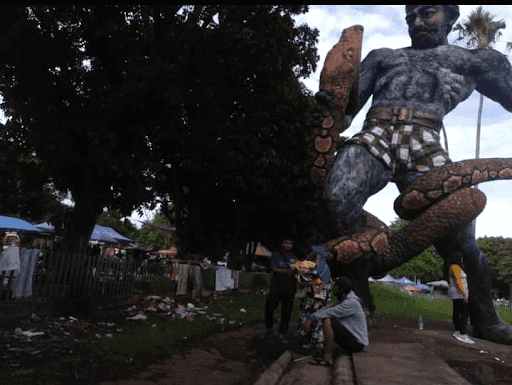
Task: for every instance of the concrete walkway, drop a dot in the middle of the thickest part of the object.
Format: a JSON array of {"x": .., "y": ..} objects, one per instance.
[
  {"x": 378, "y": 364},
  {"x": 399, "y": 353}
]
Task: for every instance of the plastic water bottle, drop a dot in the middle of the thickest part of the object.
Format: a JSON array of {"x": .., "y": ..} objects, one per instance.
[{"x": 420, "y": 323}]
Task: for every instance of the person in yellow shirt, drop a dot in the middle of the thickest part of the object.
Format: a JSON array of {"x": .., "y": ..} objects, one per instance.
[{"x": 459, "y": 294}]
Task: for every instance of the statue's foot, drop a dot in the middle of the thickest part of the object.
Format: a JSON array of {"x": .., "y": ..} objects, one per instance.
[
  {"x": 364, "y": 243},
  {"x": 500, "y": 333}
]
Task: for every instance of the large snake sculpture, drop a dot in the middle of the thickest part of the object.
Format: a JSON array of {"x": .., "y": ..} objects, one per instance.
[{"x": 437, "y": 203}]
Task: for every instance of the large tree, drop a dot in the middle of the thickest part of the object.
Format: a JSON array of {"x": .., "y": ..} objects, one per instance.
[
  {"x": 70, "y": 92},
  {"x": 234, "y": 162},
  {"x": 200, "y": 103}
]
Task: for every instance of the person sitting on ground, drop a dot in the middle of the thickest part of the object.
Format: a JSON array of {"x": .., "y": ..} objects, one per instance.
[
  {"x": 343, "y": 322},
  {"x": 459, "y": 294}
]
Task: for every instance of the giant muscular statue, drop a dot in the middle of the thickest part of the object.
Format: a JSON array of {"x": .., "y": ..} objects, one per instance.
[{"x": 413, "y": 89}]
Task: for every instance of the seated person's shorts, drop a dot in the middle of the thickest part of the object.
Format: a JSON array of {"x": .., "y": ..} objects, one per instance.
[{"x": 344, "y": 338}]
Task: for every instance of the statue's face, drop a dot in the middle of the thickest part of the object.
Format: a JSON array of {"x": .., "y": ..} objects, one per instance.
[{"x": 428, "y": 26}]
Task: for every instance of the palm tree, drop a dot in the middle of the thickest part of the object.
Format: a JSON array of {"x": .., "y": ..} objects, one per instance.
[{"x": 480, "y": 30}]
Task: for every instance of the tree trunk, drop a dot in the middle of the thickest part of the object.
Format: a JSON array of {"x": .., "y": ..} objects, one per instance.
[
  {"x": 477, "y": 148},
  {"x": 77, "y": 231},
  {"x": 478, "y": 126}
]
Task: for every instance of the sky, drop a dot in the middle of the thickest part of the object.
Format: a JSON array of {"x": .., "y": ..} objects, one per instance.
[{"x": 385, "y": 27}]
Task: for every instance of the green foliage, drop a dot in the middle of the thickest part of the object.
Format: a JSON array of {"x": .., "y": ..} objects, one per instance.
[
  {"x": 151, "y": 237},
  {"x": 144, "y": 235},
  {"x": 428, "y": 266},
  {"x": 200, "y": 104},
  {"x": 498, "y": 253},
  {"x": 480, "y": 30}
]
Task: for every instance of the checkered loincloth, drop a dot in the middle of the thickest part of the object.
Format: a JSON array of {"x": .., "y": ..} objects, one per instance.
[{"x": 402, "y": 147}]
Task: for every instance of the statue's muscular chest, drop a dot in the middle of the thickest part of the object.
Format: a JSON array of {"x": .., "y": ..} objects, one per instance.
[{"x": 429, "y": 77}]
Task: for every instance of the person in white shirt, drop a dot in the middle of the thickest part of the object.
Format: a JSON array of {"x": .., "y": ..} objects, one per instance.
[{"x": 343, "y": 321}]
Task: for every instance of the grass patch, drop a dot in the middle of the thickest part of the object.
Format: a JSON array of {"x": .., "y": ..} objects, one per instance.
[
  {"x": 162, "y": 335},
  {"x": 392, "y": 303}
]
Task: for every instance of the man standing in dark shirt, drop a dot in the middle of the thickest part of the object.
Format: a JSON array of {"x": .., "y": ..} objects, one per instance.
[{"x": 282, "y": 289}]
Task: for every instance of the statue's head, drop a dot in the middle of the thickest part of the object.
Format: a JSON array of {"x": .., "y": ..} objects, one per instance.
[{"x": 429, "y": 25}]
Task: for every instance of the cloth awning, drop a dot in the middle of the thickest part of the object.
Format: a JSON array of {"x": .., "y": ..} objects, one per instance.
[
  {"x": 101, "y": 234},
  {"x": 439, "y": 284},
  {"x": 260, "y": 250},
  {"x": 15, "y": 224},
  {"x": 387, "y": 279},
  {"x": 405, "y": 281},
  {"x": 45, "y": 227},
  {"x": 104, "y": 234},
  {"x": 412, "y": 288},
  {"x": 424, "y": 288}
]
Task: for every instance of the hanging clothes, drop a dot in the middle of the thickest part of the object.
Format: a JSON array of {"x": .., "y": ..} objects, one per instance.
[
  {"x": 223, "y": 280},
  {"x": 24, "y": 281},
  {"x": 182, "y": 279},
  {"x": 189, "y": 277},
  {"x": 10, "y": 259}
]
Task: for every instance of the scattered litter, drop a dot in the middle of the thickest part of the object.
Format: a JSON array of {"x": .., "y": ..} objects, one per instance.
[
  {"x": 190, "y": 306},
  {"x": 32, "y": 334},
  {"x": 98, "y": 335},
  {"x": 181, "y": 312},
  {"x": 242, "y": 310},
  {"x": 484, "y": 351},
  {"x": 18, "y": 331},
  {"x": 109, "y": 335},
  {"x": 153, "y": 326},
  {"x": 138, "y": 317}
]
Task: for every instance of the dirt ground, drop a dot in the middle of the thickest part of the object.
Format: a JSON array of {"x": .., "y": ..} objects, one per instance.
[
  {"x": 233, "y": 357},
  {"x": 239, "y": 357}
]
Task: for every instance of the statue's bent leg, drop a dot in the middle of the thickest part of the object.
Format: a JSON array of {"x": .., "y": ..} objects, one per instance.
[
  {"x": 486, "y": 324},
  {"x": 355, "y": 176}
]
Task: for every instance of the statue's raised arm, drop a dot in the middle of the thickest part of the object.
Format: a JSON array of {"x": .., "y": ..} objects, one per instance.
[{"x": 493, "y": 76}]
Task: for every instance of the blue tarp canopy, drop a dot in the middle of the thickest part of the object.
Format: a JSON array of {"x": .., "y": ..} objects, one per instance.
[
  {"x": 108, "y": 235},
  {"x": 424, "y": 288},
  {"x": 102, "y": 234},
  {"x": 45, "y": 227},
  {"x": 405, "y": 281},
  {"x": 15, "y": 224}
]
